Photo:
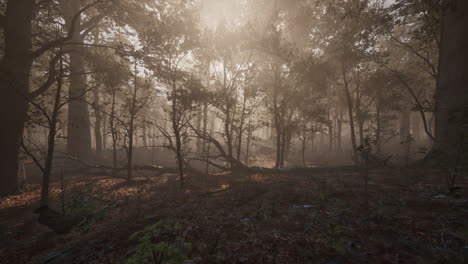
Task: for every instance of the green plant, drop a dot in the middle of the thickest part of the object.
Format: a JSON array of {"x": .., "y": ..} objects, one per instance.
[
  {"x": 336, "y": 237},
  {"x": 174, "y": 250}
]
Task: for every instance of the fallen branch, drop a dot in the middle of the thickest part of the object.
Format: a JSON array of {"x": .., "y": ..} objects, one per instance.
[{"x": 213, "y": 192}]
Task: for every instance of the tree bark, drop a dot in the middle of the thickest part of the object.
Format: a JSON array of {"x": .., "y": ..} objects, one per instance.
[
  {"x": 15, "y": 68},
  {"x": 339, "y": 129},
  {"x": 97, "y": 125},
  {"x": 79, "y": 125},
  {"x": 113, "y": 130},
  {"x": 415, "y": 128},
  {"x": 349, "y": 101},
  {"x": 451, "y": 117},
  {"x": 378, "y": 112},
  {"x": 51, "y": 141},
  {"x": 405, "y": 124}
]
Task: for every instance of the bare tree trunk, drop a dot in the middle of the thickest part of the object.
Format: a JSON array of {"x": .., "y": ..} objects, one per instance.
[
  {"x": 198, "y": 142},
  {"x": 14, "y": 85},
  {"x": 303, "y": 149},
  {"x": 79, "y": 125},
  {"x": 130, "y": 149},
  {"x": 131, "y": 129},
  {"x": 350, "y": 110},
  {"x": 378, "y": 132},
  {"x": 431, "y": 126},
  {"x": 405, "y": 124},
  {"x": 104, "y": 131},
  {"x": 51, "y": 141},
  {"x": 415, "y": 128},
  {"x": 97, "y": 125},
  {"x": 176, "y": 128},
  {"x": 241, "y": 128},
  {"x": 360, "y": 122},
  {"x": 451, "y": 116},
  {"x": 330, "y": 134},
  {"x": 205, "y": 125},
  {"x": 144, "y": 135},
  {"x": 249, "y": 135},
  {"x": 277, "y": 118},
  {"x": 339, "y": 129},
  {"x": 113, "y": 130}
]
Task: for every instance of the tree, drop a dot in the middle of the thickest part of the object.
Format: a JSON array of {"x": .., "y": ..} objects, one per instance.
[
  {"x": 451, "y": 108},
  {"x": 136, "y": 98},
  {"x": 79, "y": 124},
  {"x": 15, "y": 68}
]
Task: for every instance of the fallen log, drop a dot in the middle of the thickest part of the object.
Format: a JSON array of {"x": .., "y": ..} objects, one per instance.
[{"x": 300, "y": 170}]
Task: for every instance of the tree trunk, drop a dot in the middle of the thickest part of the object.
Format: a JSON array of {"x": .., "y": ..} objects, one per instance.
[
  {"x": 104, "y": 131},
  {"x": 14, "y": 85},
  {"x": 131, "y": 129},
  {"x": 303, "y": 149},
  {"x": 378, "y": 132},
  {"x": 97, "y": 125},
  {"x": 144, "y": 135},
  {"x": 451, "y": 117},
  {"x": 360, "y": 122},
  {"x": 349, "y": 101},
  {"x": 51, "y": 141},
  {"x": 277, "y": 118},
  {"x": 205, "y": 126},
  {"x": 130, "y": 149},
  {"x": 416, "y": 128},
  {"x": 79, "y": 125},
  {"x": 113, "y": 130},
  {"x": 198, "y": 143},
  {"x": 249, "y": 135},
  {"x": 339, "y": 129},
  {"x": 405, "y": 124}
]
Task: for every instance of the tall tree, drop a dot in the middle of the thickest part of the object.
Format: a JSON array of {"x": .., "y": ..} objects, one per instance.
[
  {"x": 451, "y": 95},
  {"x": 15, "y": 68},
  {"x": 79, "y": 124}
]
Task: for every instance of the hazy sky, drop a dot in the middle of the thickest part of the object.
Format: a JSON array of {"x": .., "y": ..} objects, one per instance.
[{"x": 214, "y": 11}]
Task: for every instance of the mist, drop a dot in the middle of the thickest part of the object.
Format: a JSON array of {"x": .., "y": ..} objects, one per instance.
[{"x": 223, "y": 131}]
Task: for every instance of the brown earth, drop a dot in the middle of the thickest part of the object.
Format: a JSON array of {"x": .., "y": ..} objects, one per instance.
[{"x": 406, "y": 217}]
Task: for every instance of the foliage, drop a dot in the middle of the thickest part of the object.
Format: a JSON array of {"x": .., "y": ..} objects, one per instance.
[{"x": 170, "y": 249}]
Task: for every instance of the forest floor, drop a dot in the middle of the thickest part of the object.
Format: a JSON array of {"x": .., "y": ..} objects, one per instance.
[{"x": 326, "y": 217}]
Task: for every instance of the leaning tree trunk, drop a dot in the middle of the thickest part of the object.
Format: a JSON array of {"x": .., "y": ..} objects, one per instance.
[
  {"x": 14, "y": 85},
  {"x": 451, "y": 117},
  {"x": 79, "y": 125}
]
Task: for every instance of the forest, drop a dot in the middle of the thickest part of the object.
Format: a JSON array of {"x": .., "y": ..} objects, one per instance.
[{"x": 233, "y": 131}]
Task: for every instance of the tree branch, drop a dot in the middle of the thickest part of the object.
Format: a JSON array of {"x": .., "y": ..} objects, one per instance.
[
  {"x": 409, "y": 48},
  {"x": 416, "y": 99},
  {"x": 50, "y": 45},
  {"x": 50, "y": 79},
  {"x": 89, "y": 25},
  {"x": 36, "y": 161}
]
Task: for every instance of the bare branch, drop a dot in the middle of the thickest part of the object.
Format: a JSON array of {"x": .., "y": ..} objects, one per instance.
[
  {"x": 89, "y": 25},
  {"x": 28, "y": 152},
  {"x": 50, "y": 79},
  {"x": 416, "y": 99},
  {"x": 419, "y": 55},
  {"x": 50, "y": 45}
]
